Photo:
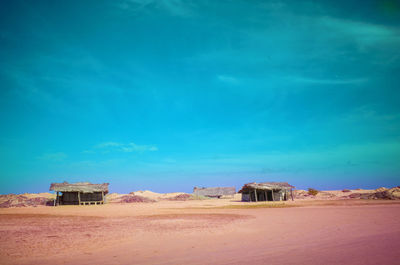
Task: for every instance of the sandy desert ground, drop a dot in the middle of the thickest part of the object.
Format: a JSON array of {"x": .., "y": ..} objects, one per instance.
[{"x": 215, "y": 231}]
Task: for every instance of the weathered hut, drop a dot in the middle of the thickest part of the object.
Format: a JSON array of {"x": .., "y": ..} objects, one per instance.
[
  {"x": 80, "y": 193},
  {"x": 215, "y": 192},
  {"x": 266, "y": 191}
]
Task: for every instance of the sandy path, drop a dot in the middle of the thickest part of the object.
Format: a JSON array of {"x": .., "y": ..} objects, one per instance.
[{"x": 170, "y": 234}]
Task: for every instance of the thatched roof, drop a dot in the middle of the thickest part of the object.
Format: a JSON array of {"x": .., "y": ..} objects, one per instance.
[
  {"x": 267, "y": 186},
  {"x": 84, "y": 187},
  {"x": 214, "y": 192}
]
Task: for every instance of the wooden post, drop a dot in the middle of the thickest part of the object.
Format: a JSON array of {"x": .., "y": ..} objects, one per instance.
[
  {"x": 79, "y": 197},
  {"x": 272, "y": 192},
  {"x": 291, "y": 194},
  {"x": 255, "y": 194},
  {"x": 102, "y": 197}
]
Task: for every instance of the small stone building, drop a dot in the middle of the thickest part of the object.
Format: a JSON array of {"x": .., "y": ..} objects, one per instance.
[
  {"x": 266, "y": 191},
  {"x": 215, "y": 192},
  {"x": 80, "y": 193}
]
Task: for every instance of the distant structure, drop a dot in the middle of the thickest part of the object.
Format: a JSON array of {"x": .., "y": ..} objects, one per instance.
[
  {"x": 266, "y": 191},
  {"x": 80, "y": 193},
  {"x": 216, "y": 192}
]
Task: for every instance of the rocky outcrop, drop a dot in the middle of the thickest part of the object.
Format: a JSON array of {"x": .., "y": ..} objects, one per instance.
[
  {"x": 13, "y": 200},
  {"x": 389, "y": 194},
  {"x": 380, "y": 194},
  {"x": 130, "y": 198},
  {"x": 181, "y": 197}
]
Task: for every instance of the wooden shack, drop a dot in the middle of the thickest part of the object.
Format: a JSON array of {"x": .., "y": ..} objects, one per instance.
[
  {"x": 214, "y": 192},
  {"x": 266, "y": 191},
  {"x": 80, "y": 193}
]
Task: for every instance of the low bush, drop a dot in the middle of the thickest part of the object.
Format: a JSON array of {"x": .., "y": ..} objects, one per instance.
[{"x": 312, "y": 191}]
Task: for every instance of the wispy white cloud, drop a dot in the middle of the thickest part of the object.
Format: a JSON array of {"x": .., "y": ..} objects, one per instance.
[
  {"x": 132, "y": 147},
  {"x": 108, "y": 145},
  {"x": 364, "y": 34},
  {"x": 56, "y": 157},
  {"x": 338, "y": 81},
  {"x": 369, "y": 114},
  {"x": 173, "y": 7},
  {"x": 127, "y": 148}
]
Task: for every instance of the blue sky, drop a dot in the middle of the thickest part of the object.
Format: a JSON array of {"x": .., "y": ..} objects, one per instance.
[{"x": 166, "y": 95}]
